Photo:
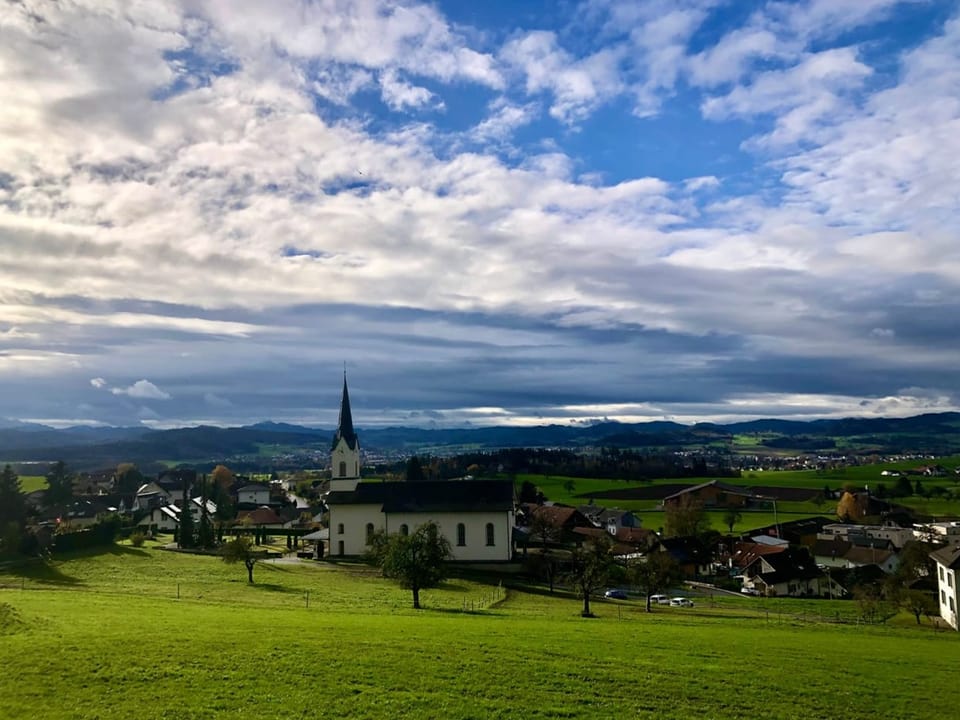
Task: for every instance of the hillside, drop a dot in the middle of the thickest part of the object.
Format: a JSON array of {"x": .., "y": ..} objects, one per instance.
[{"x": 85, "y": 447}]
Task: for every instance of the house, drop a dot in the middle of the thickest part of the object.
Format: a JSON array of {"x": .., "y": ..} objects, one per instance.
[
  {"x": 713, "y": 494},
  {"x": 263, "y": 516},
  {"x": 151, "y": 495},
  {"x": 253, "y": 494},
  {"x": 610, "y": 518},
  {"x": 476, "y": 516},
  {"x": 893, "y": 535},
  {"x": 791, "y": 573},
  {"x": 563, "y": 519},
  {"x": 804, "y": 531},
  {"x": 746, "y": 552},
  {"x": 948, "y": 573},
  {"x": 830, "y": 552},
  {"x": 861, "y": 555},
  {"x": 166, "y": 518}
]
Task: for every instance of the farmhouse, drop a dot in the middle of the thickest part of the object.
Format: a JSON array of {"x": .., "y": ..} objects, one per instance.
[
  {"x": 713, "y": 494},
  {"x": 476, "y": 516}
]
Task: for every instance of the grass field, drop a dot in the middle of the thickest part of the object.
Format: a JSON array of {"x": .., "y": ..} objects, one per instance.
[
  {"x": 29, "y": 483},
  {"x": 104, "y": 636}
]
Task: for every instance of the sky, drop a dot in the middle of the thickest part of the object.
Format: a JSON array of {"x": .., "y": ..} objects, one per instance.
[{"x": 507, "y": 212}]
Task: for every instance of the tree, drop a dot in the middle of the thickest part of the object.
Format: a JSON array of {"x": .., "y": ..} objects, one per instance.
[
  {"x": 590, "y": 567},
  {"x": 186, "y": 537},
  {"x": 685, "y": 517},
  {"x": 656, "y": 572},
  {"x": 544, "y": 565},
  {"x": 59, "y": 485},
  {"x": 731, "y": 517},
  {"x": 13, "y": 508},
  {"x": 240, "y": 550},
  {"x": 415, "y": 470},
  {"x": 129, "y": 478},
  {"x": 918, "y": 488},
  {"x": 530, "y": 493},
  {"x": 222, "y": 476},
  {"x": 416, "y": 561},
  {"x": 206, "y": 537},
  {"x": 903, "y": 488},
  {"x": 541, "y": 527}
]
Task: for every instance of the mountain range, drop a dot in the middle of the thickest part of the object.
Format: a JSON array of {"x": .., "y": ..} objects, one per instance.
[{"x": 97, "y": 447}]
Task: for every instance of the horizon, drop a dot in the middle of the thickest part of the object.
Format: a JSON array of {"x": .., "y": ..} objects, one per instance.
[{"x": 518, "y": 213}]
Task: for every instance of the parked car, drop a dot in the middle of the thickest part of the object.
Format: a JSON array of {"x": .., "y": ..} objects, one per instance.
[
  {"x": 681, "y": 602},
  {"x": 749, "y": 591},
  {"x": 616, "y": 594},
  {"x": 659, "y": 600}
]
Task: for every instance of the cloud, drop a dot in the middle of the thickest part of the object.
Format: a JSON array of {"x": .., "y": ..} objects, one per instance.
[
  {"x": 399, "y": 95},
  {"x": 142, "y": 389},
  {"x": 98, "y": 383}
]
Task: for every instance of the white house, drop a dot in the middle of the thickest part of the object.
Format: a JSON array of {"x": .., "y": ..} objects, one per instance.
[
  {"x": 150, "y": 495},
  {"x": 476, "y": 516},
  {"x": 166, "y": 518},
  {"x": 948, "y": 572},
  {"x": 253, "y": 494}
]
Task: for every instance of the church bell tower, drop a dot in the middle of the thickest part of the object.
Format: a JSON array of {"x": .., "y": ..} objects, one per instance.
[{"x": 345, "y": 453}]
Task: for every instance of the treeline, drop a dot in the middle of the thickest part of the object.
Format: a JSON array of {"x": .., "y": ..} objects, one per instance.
[{"x": 614, "y": 463}]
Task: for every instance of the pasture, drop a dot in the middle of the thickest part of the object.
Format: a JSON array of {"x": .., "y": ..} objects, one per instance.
[{"x": 105, "y": 636}]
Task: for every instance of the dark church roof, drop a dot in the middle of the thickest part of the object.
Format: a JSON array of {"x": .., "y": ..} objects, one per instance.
[
  {"x": 430, "y": 496},
  {"x": 345, "y": 426}
]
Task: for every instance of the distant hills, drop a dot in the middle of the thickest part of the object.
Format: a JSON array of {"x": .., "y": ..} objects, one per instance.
[{"x": 98, "y": 447}]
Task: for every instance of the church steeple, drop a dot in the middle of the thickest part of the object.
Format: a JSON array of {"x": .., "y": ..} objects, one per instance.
[
  {"x": 345, "y": 452},
  {"x": 345, "y": 426}
]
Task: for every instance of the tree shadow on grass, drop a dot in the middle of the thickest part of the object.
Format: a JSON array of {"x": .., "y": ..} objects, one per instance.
[
  {"x": 273, "y": 587},
  {"x": 46, "y": 572}
]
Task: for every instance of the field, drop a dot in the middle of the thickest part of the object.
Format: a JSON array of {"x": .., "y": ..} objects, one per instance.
[
  {"x": 559, "y": 489},
  {"x": 105, "y": 636}
]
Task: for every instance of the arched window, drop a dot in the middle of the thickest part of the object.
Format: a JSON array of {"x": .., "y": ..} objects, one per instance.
[
  {"x": 490, "y": 534},
  {"x": 340, "y": 529},
  {"x": 343, "y": 469},
  {"x": 461, "y": 535},
  {"x": 404, "y": 530},
  {"x": 369, "y": 533}
]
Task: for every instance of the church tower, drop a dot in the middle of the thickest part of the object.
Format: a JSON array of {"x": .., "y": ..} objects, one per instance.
[{"x": 345, "y": 453}]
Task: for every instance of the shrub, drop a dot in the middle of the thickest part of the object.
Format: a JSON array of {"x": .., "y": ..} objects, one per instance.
[{"x": 137, "y": 538}]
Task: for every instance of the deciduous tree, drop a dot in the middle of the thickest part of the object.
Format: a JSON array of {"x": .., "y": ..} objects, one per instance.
[
  {"x": 685, "y": 517},
  {"x": 656, "y": 572},
  {"x": 590, "y": 566},
  {"x": 240, "y": 550},
  {"x": 416, "y": 561},
  {"x": 129, "y": 478},
  {"x": 731, "y": 517}
]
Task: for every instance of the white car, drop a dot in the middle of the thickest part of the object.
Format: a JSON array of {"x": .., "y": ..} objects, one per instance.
[
  {"x": 659, "y": 600},
  {"x": 681, "y": 602}
]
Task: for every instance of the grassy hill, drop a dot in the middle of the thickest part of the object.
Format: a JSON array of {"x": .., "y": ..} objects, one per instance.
[{"x": 105, "y": 636}]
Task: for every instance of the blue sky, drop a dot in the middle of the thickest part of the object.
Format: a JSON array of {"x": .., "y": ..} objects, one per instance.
[{"x": 500, "y": 212}]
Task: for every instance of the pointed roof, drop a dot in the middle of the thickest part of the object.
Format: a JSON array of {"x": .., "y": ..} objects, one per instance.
[{"x": 345, "y": 426}]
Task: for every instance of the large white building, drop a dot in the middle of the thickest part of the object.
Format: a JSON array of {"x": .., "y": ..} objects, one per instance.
[
  {"x": 948, "y": 573},
  {"x": 476, "y": 516}
]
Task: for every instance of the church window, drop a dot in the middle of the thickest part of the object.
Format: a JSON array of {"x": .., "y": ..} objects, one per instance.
[
  {"x": 340, "y": 547},
  {"x": 340, "y": 529},
  {"x": 490, "y": 534},
  {"x": 461, "y": 534},
  {"x": 343, "y": 469},
  {"x": 369, "y": 533},
  {"x": 404, "y": 530}
]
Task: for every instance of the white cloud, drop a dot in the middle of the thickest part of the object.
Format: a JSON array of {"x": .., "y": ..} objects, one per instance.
[
  {"x": 98, "y": 383},
  {"x": 400, "y": 95},
  {"x": 144, "y": 390}
]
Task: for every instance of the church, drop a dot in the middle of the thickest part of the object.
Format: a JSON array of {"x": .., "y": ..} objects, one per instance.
[{"x": 476, "y": 516}]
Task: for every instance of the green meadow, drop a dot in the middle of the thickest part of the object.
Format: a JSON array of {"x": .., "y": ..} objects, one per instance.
[{"x": 106, "y": 636}]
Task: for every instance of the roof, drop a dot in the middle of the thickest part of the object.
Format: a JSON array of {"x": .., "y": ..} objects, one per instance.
[
  {"x": 746, "y": 552},
  {"x": 726, "y": 487},
  {"x": 831, "y": 548},
  {"x": 558, "y": 516},
  {"x": 345, "y": 429},
  {"x": 791, "y": 564},
  {"x": 261, "y": 516},
  {"x": 948, "y": 556},
  {"x": 430, "y": 495},
  {"x": 867, "y": 555},
  {"x": 253, "y": 487}
]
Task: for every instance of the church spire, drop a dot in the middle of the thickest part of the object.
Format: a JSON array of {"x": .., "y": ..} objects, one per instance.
[{"x": 345, "y": 426}]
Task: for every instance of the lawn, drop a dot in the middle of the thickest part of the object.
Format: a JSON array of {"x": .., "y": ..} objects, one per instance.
[
  {"x": 29, "y": 483},
  {"x": 104, "y": 636}
]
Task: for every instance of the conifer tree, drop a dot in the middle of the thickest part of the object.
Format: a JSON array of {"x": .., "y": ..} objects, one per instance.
[{"x": 185, "y": 532}]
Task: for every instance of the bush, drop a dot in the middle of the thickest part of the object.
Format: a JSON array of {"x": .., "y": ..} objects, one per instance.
[{"x": 137, "y": 538}]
